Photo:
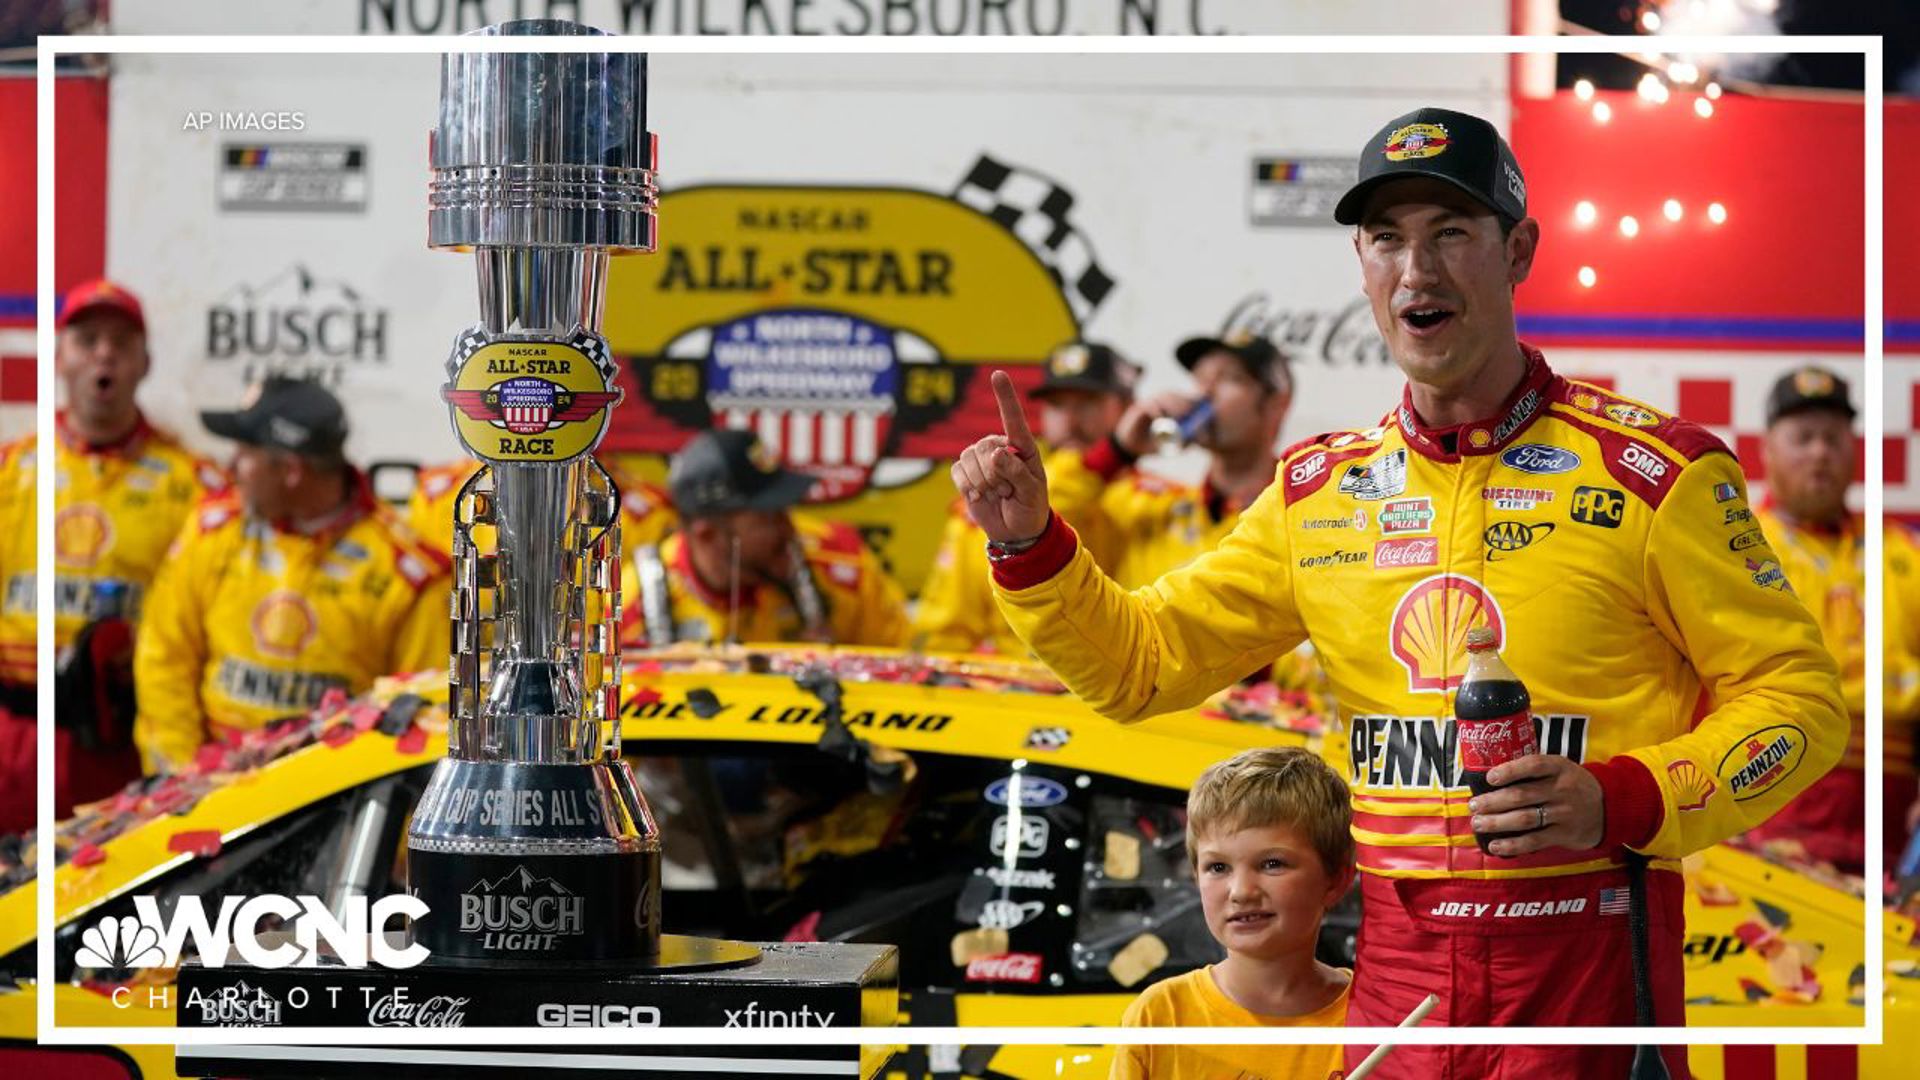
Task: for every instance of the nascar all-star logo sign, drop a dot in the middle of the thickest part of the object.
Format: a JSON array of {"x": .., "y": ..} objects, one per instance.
[
  {"x": 1428, "y": 635},
  {"x": 516, "y": 399},
  {"x": 853, "y": 329}
]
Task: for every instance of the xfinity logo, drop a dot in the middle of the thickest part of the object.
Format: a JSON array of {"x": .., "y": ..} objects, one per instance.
[
  {"x": 755, "y": 1016},
  {"x": 146, "y": 939}
]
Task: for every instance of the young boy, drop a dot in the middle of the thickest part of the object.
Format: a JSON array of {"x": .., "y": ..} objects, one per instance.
[{"x": 1268, "y": 834}]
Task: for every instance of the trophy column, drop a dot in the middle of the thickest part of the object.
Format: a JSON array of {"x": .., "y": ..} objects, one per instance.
[{"x": 532, "y": 845}]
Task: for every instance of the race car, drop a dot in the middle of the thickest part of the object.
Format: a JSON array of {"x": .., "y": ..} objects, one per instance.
[{"x": 862, "y": 796}]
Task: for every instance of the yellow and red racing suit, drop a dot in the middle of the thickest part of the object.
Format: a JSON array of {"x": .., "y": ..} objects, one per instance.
[
  {"x": 250, "y": 620},
  {"x": 116, "y": 510},
  {"x": 1596, "y": 536},
  {"x": 1826, "y": 566},
  {"x": 839, "y": 595}
]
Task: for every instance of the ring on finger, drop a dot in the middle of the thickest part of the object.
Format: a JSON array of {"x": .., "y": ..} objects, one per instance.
[{"x": 1541, "y": 812}]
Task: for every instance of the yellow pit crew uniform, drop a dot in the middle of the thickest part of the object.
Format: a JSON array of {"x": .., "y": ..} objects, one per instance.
[
  {"x": 1593, "y": 535},
  {"x": 1826, "y": 566},
  {"x": 841, "y": 596},
  {"x": 250, "y": 621},
  {"x": 116, "y": 509}
]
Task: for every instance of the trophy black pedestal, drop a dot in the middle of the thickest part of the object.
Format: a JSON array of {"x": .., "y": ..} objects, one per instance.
[{"x": 794, "y": 985}]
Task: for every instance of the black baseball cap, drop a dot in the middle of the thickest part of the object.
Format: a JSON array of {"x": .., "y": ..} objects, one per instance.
[
  {"x": 1260, "y": 356},
  {"x": 280, "y": 413},
  {"x": 1089, "y": 366},
  {"x": 724, "y": 470},
  {"x": 1457, "y": 147},
  {"x": 1806, "y": 389}
]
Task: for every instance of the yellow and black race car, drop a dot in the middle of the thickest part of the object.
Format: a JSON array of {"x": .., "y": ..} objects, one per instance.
[{"x": 884, "y": 819}]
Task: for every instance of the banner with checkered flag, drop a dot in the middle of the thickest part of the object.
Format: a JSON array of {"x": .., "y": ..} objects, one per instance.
[{"x": 1034, "y": 208}]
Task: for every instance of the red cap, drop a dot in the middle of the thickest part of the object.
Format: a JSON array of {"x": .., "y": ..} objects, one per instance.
[{"x": 96, "y": 294}]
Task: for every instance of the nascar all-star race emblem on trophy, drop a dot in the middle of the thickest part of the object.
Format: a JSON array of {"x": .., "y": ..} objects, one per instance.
[{"x": 532, "y": 846}]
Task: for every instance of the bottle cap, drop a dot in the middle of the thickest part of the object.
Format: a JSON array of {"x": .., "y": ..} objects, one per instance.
[{"x": 1481, "y": 637}]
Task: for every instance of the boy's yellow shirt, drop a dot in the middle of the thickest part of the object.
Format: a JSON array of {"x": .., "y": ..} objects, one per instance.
[{"x": 1195, "y": 1000}]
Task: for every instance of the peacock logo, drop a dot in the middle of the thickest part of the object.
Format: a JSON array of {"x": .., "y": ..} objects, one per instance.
[{"x": 120, "y": 944}]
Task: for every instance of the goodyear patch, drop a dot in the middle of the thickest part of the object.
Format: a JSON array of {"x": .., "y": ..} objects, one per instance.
[{"x": 1762, "y": 760}]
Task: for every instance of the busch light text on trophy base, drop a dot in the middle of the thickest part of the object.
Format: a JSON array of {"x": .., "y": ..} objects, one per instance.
[{"x": 532, "y": 845}]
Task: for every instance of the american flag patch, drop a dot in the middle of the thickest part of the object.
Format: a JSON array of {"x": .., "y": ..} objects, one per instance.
[
  {"x": 1725, "y": 493},
  {"x": 1614, "y": 901}
]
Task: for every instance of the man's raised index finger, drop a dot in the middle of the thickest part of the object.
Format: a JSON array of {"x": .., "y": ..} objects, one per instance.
[{"x": 1013, "y": 418}]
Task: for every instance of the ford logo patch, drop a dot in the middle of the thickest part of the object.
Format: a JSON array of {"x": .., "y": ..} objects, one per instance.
[
  {"x": 1540, "y": 458},
  {"x": 1035, "y": 791}
]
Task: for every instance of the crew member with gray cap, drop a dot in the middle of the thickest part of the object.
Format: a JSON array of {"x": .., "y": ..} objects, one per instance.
[
  {"x": 1809, "y": 451},
  {"x": 745, "y": 568},
  {"x": 1086, "y": 388},
  {"x": 1584, "y": 529},
  {"x": 295, "y": 583}
]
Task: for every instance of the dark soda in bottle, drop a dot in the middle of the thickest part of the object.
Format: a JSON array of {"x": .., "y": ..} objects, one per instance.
[{"x": 1493, "y": 722}]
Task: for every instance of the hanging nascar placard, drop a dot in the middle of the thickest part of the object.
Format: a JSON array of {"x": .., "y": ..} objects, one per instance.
[{"x": 529, "y": 400}]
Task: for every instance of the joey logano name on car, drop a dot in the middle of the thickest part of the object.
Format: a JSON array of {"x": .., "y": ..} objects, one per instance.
[
  {"x": 791, "y": 714},
  {"x": 252, "y": 684},
  {"x": 1421, "y": 753}
]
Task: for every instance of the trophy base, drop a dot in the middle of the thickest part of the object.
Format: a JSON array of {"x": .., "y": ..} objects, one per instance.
[{"x": 679, "y": 954}]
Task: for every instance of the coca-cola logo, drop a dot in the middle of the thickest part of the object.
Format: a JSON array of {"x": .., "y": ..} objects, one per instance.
[
  {"x": 1407, "y": 551},
  {"x": 1007, "y": 967},
  {"x": 439, "y": 1011},
  {"x": 1486, "y": 743}
]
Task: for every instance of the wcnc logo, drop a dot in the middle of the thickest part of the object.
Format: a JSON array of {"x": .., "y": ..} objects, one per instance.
[{"x": 146, "y": 939}]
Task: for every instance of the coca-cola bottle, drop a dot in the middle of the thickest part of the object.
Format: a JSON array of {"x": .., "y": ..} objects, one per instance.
[{"x": 1492, "y": 721}]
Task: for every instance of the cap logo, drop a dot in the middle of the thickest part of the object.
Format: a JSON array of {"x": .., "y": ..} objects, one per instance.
[
  {"x": 1813, "y": 382},
  {"x": 252, "y": 396},
  {"x": 762, "y": 457},
  {"x": 1071, "y": 360},
  {"x": 1238, "y": 339},
  {"x": 1515, "y": 186},
  {"x": 1416, "y": 141}
]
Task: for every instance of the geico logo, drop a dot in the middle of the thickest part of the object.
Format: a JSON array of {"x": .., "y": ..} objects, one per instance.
[{"x": 554, "y": 1014}]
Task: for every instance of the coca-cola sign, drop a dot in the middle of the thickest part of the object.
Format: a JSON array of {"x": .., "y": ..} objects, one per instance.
[
  {"x": 394, "y": 1010},
  {"x": 1407, "y": 551},
  {"x": 1016, "y": 967},
  {"x": 1487, "y": 743}
]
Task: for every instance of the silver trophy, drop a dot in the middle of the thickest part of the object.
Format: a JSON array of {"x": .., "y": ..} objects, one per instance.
[{"x": 532, "y": 845}]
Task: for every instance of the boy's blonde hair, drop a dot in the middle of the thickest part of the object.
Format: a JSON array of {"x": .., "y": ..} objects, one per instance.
[{"x": 1287, "y": 785}]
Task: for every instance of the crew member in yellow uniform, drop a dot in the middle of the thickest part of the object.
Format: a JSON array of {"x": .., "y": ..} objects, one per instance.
[
  {"x": 299, "y": 583},
  {"x": 1160, "y": 524},
  {"x": 121, "y": 491},
  {"x": 1822, "y": 546},
  {"x": 742, "y": 568},
  {"x": 1086, "y": 389},
  {"x": 1586, "y": 531},
  {"x": 121, "y": 487},
  {"x": 1901, "y": 705}
]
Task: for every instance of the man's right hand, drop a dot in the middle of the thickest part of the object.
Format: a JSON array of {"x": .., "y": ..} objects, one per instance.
[{"x": 1001, "y": 476}]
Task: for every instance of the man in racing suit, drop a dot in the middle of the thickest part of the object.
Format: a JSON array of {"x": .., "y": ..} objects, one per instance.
[
  {"x": 298, "y": 583},
  {"x": 1809, "y": 453},
  {"x": 1087, "y": 388},
  {"x": 1584, "y": 529},
  {"x": 743, "y": 568},
  {"x": 121, "y": 491}
]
